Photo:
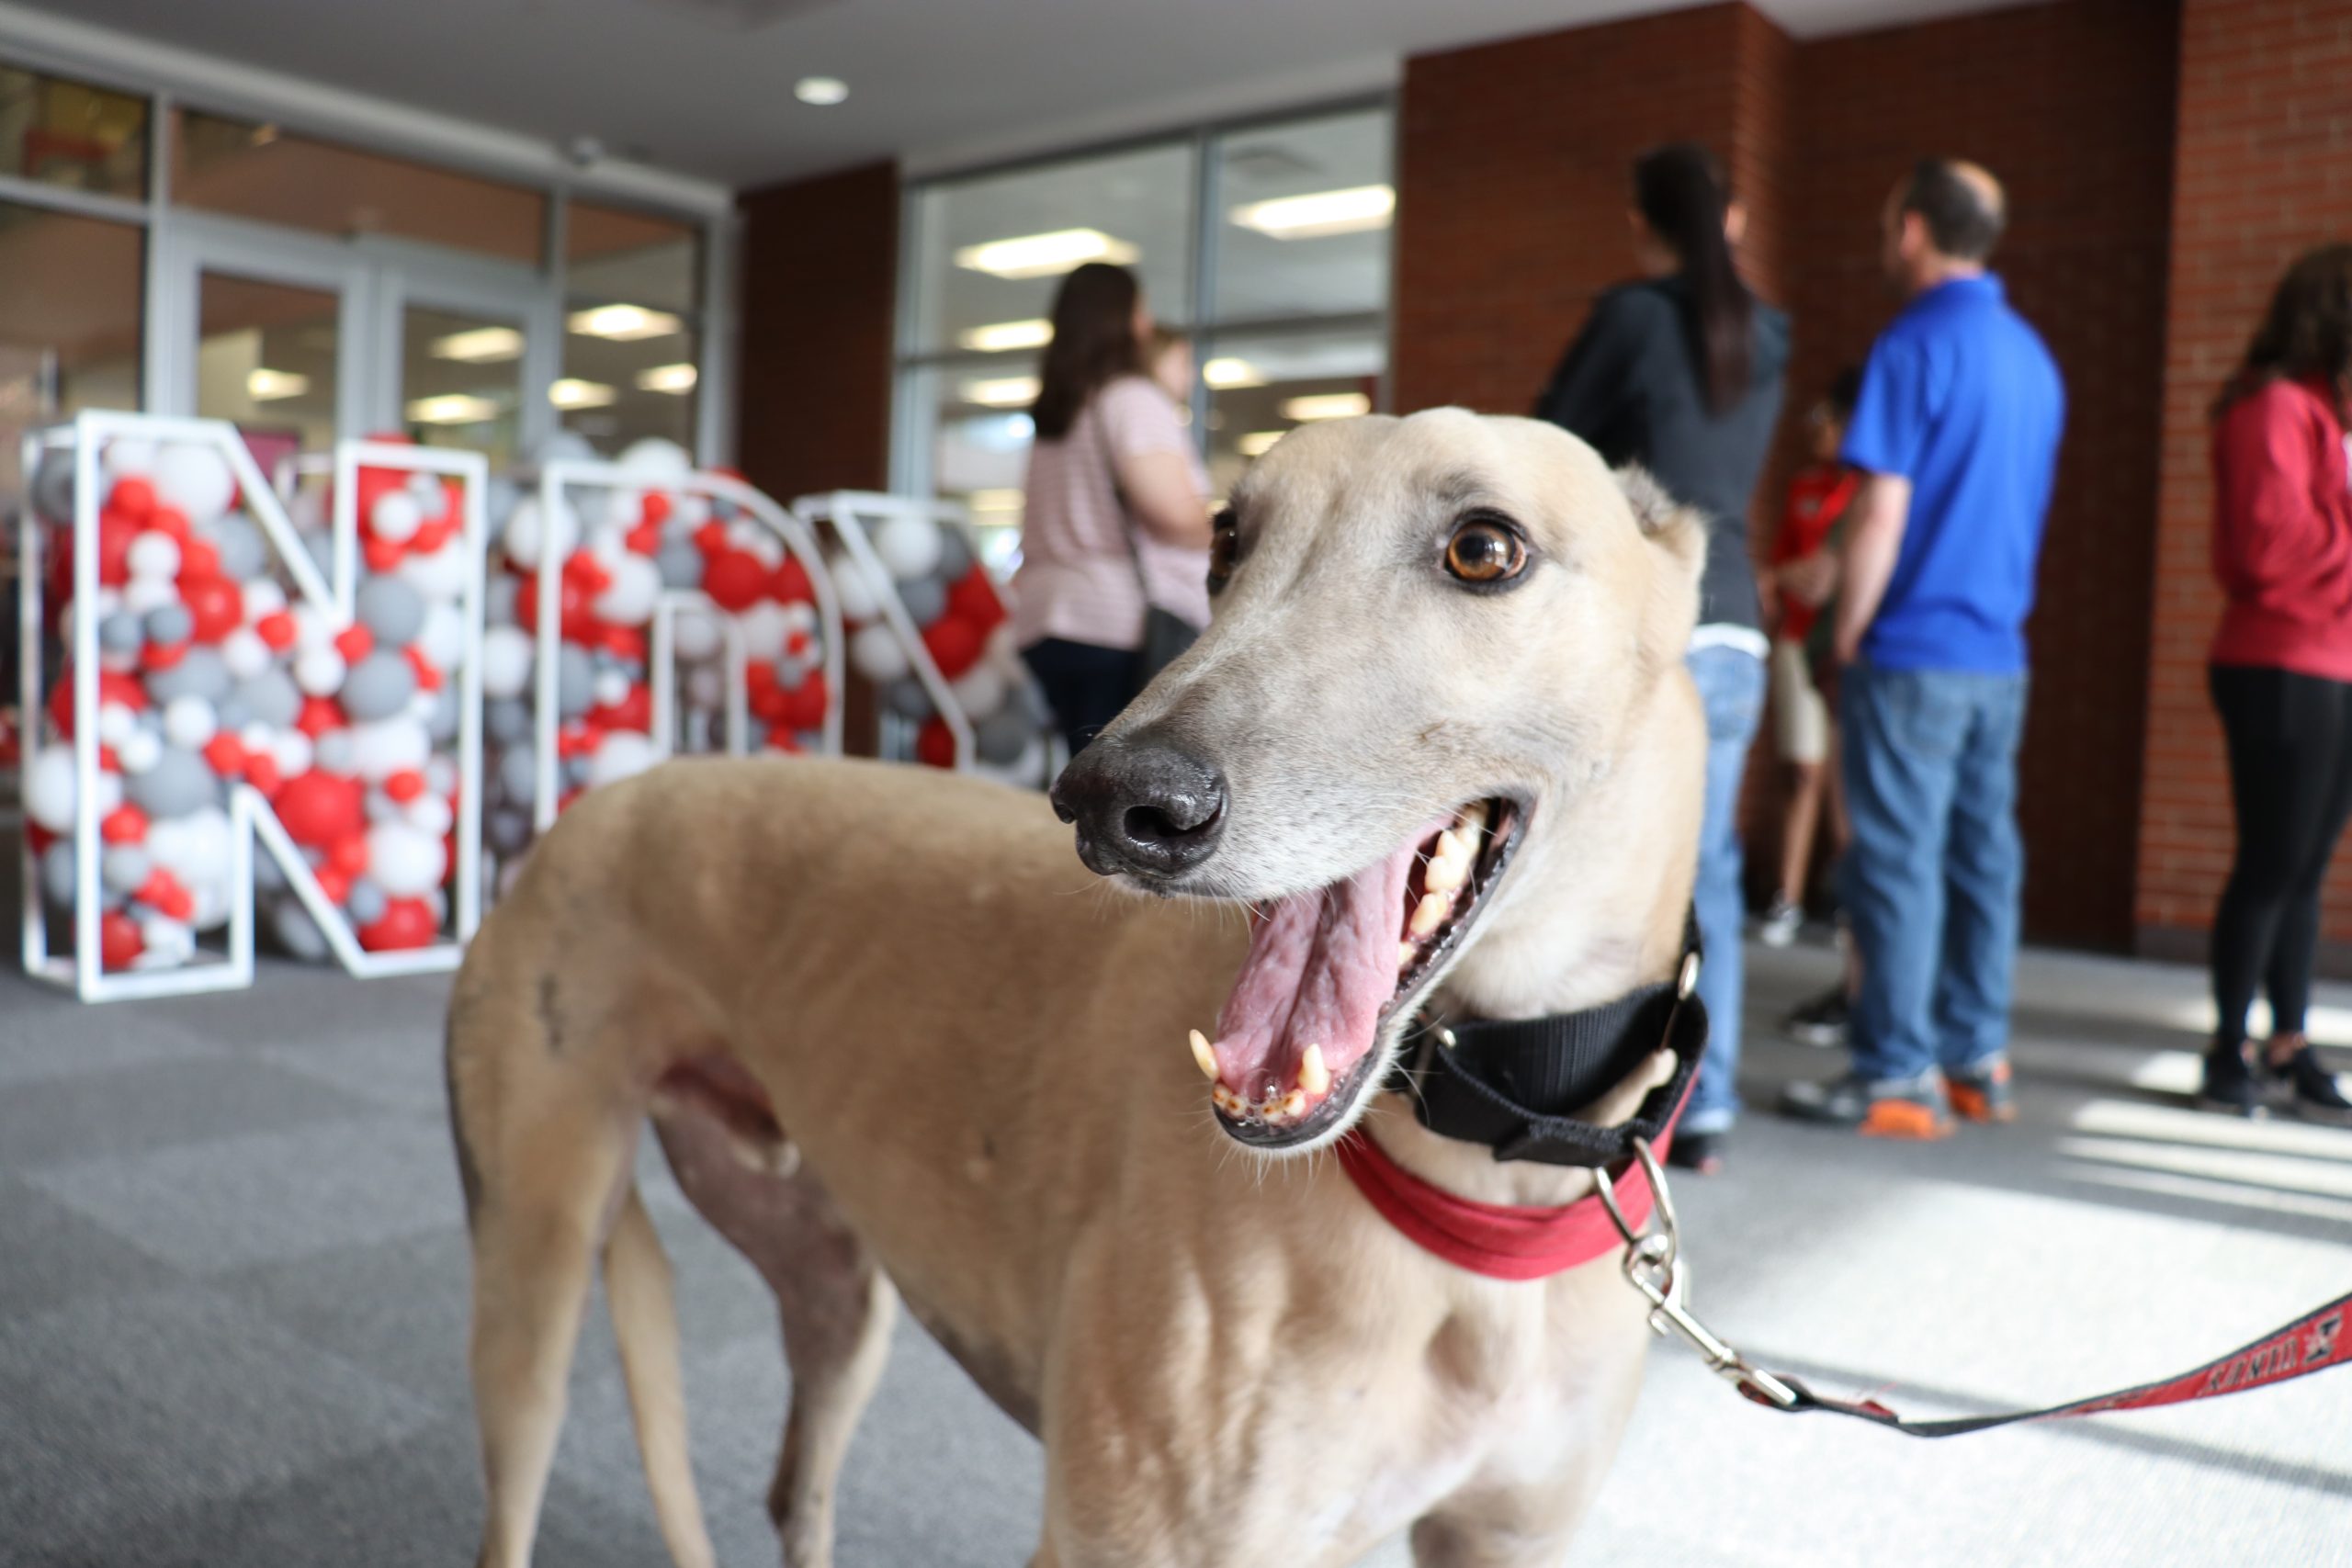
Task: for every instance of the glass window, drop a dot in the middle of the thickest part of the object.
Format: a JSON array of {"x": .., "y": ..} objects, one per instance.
[
  {"x": 976, "y": 411},
  {"x": 610, "y": 254},
  {"x": 69, "y": 321},
  {"x": 461, "y": 380},
  {"x": 1260, "y": 386},
  {"x": 256, "y": 171},
  {"x": 1306, "y": 211},
  {"x": 990, "y": 251},
  {"x": 64, "y": 133},
  {"x": 265, "y": 357},
  {"x": 629, "y": 371}
]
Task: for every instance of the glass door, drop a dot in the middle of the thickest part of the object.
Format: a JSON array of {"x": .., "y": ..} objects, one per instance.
[{"x": 467, "y": 352}]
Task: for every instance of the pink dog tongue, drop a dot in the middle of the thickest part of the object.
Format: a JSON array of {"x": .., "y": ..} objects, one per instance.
[{"x": 1321, "y": 965}]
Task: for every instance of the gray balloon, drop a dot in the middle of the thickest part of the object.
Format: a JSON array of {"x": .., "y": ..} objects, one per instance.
[
  {"x": 906, "y": 697},
  {"x": 954, "y": 555},
  {"x": 57, "y": 873},
  {"x": 125, "y": 867},
  {"x": 498, "y": 499},
  {"x": 200, "y": 672},
  {"x": 755, "y": 735},
  {"x": 54, "y": 487},
  {"x": 505, "y": 720},
  {"x": 443, "y": 724},
  {"x": 366, "y": 903},
  {"x": 295, "y": 930},
  {"x": 518, "y": 773},
  {"x": 793, "y": 669},
  {"x": 1002, "y": 736},
  {"x": 121, "y": 633},
  {"x": 270, "y": 696},
  {"x": 378, "y": 686},
  {"x": 499, "y": 597},
  {"x": 575, "y": 681},
  {"x": 243, "y": 552},
  {"x": 382, "y": 807},
  {"x": 680, "y": 564},
  {"x": 336, "y": 751},
  {"x": 230, "y": 712},
  {"x": 390, "y": 609},
  {"x": 508, "y": 832},
  {"x": 179, "y": 783},
  {"x": 576, "y": 772},
  {"x": 170, "y": 623},
  {"x": 268, "y": 875},
  {"x": 925, "y": 598},
  {"x": 438, "y": 903}
]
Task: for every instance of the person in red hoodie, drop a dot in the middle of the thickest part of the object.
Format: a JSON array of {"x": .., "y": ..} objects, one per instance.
[{"x": 2282, "y": 672}]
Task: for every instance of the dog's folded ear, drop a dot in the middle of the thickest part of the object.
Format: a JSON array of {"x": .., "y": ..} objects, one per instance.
[{"x": 1680, "y": 533}]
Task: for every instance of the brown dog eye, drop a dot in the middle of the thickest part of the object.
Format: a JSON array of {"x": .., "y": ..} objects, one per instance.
[
  {"x": 1484, "y": 551},
  {"x": 1224, "y": 543}
]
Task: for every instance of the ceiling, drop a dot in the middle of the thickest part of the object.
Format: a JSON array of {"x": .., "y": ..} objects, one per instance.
[{"x": 704, "y": 87}]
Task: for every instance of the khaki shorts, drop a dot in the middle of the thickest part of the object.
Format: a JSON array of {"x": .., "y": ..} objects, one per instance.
[{"x": 1800, "y": 715}]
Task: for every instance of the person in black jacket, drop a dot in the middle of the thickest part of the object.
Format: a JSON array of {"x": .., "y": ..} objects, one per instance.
[{"x": 1680, "y": 371}]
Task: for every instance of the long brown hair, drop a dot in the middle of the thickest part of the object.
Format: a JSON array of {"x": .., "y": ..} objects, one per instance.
[
  {"x": 1680, "y": 192},
  {"x": 2307, "y": 333},
  {"x": 1093, "y": 343}
]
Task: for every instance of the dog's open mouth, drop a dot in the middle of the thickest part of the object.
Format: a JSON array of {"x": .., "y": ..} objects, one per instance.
[{"x": 1328, "y": 969}]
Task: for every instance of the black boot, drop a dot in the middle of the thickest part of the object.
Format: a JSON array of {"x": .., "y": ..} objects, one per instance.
[
  {"x": 2315, "y": 1088},
  {"x": 2229, "y": 1081}
]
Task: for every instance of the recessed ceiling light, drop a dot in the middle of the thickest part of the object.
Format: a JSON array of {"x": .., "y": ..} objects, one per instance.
[
  {"x": 623, "y": 323},
  {"x": 571, "y": 392},
  {"x": 998, "y": 337},
  {"x": 452, "y": 408},
  {"x": 993, "y": 501},
  {"x": 1254, "y": 444},
  {"x": 1310, "y": 217},
  {"x": 263, "y": 384},
  {"x": 1043, "y": 255},
  {"x": 822, "y": 91},
  {"x": 481, "y": 346},
  {"x": 1001, "y": 391},
  {"x": 1326, "y": 405},
  {"x": 667, "y": 378},
  {"x": 1228, "y": 371}
]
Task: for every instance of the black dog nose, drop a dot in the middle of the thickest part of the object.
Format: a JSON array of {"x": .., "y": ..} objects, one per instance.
[{"x": 1141, "y": 805}]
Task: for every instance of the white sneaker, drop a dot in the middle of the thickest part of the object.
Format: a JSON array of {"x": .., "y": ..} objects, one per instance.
[{"x": 1780, "y": 923}]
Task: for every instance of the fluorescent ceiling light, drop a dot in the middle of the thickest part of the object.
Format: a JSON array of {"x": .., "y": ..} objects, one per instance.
[
  {"x": 998, "y": 337},
  {"x": 993, "y": 501},
  {"x": 264, "y": 386},
  {"x": 667, "y": 378},
  {"x": 1254, "y": 444},
  {"x": 452, "y": 408},
  {"x": 1228, "y": 371},
  {"x": 1001, "y": 391},
  {"x": 1349, "y": 211},
  {"x": 623, "y": 323},
  {"x": 1043, "y": 255},
  {"x": 571, "y": 392},
  {"x": 1326, "y": 405},
  {"x": 481, "y": 346},
  {"x": 822, "y": 91}
]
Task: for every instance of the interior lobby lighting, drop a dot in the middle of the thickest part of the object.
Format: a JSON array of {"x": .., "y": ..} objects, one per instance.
[
  {"x": 1311, "y": 217},
  {"x": 999, "y": 336},
  {"x": 1326, "y": 405},
  {"x": 452, "y": 408},
  {"x": 1001, "y": 391},
  {"x": 993, "y": 501},
  {"x": 1254, "y": 444},
  {"x": 481, "y": 346},
  {"x": 1044, "y": 256},
  {"x": 822, "y": 91},
  {"x": 264, "y": 386},
  {"x": 667, "y": 378},
  {"x": 571, "y": 392},
  {"x": 622, "y": 323},
  {"x": 1228, "y": 371}
]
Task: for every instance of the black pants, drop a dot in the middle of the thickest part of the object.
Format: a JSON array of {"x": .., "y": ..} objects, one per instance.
[
  {"x": 2290, "y": 778},
  {"x": 1086, "y": 683}
]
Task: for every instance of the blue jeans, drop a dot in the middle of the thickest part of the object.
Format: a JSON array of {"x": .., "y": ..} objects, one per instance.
[
  {"x": 1731, "y": 688},
  {"x": 1931, "y": 879}
]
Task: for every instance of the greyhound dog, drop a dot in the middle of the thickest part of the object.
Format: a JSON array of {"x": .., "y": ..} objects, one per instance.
[{"x": 1436, "y": 756}]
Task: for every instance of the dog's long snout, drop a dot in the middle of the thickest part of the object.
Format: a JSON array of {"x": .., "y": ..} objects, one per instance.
[{"x": 1142, "y": 806}]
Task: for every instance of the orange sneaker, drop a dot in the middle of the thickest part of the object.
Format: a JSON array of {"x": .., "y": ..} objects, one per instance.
[
  {"x": 1876, "y": 1108},
  {"x": 1983, "y": 1093}
]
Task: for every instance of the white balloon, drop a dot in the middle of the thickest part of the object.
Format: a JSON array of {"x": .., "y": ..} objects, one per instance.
[
  {"x": 705, "y": 686},
  {"x": 293, "y": 751},
  {"x": 525, "y": 534},
  {"x": 908, "y": 545},
  {"x": 628, "y": 600},
  {"x": 189, "y": 721},
  {"x": 441, "y": 774},
  {"x": 144, "y": 594},
  {"x": 207, "y": 841},
  {"x": 108, "y": 793},
  {"x": 623, "y": 753},
  {"x": 171, "y": 842},
  {"x": 442, "y": 638},
  {"x": 262, "y": 597},
  {"x": 656, "y": 458},
  {"x": 167, "y": 943},
  {"x": 153, "y": 554},
  {"x": 610, "y": 687},
  {"x": 130, "y": 455},
  {"x": 195, "y": 478},
  {"x": 875, "y": 653},
  {"x": 139, "y": 750},
  {"x": 429, "y": 493},
  {"x": 505, "y": 661},
  {"x": 48, "y": 789},
  {"x": 422, "y": 705},
  {"x": 116, "y": 722},
  {"x": 759, "y": 542},
  {"x": 851, "y": 590},
  {"x": 979, "y": 691},
  {"x": 396, "y": 517},
  {"x": 212, "y": 906},
  {"x": 404, "y": 861},
  {"x": 244, "y": 653},
  {"x": 697, "y": 635},
  {"x": 320, "y": 671},
  {"x": 439, "y": 575},
  {"x": 431, "y": 814},
  {"x": 313, "y": 627},
  {"x": 387, "y": 746},
  {"x": 688, "y": 512},
  {"x": 308, "y": 510},
  {"x": 258, "y": 737},
  {"x": 764, "y": 626}
]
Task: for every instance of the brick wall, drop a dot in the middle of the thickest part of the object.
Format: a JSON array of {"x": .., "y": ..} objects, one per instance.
[
  {"x": 2265, "y": 160},
  {"x": 820, "y": 270}
]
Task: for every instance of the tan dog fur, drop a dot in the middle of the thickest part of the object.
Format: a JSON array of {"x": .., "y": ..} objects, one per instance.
[{"x": 977, "y": 1052}]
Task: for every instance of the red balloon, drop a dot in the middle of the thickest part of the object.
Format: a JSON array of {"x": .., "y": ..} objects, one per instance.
[
  {"x": 805, "y": 703},
  {"x": 276, "y": 630},
  {"x": 354, "y": 642},
  {"x": 789, "y": 585},
  {"x": 162, "y": 654},
  {"x": 126, "y": 824},
  {"x": 734, "y": 578},
  {"x": 215, "y": 603},
  {"x": 711, "y": 538},
  {"x": 261, "y": 771},
  {"x": 381, "y": 554},
  {"x": 973, "y": 597},
  {"x": 166, "y": 894},
  {"x": 171, "y": 520},
  {"x": 320, "y": 809},
  {"x": 428, "y": 679},
  {"x": 644, "y": 539},
  {"x": 319, "y": 714},
  {"x": 936, "y": 743},
  {"x": 404, "y": 785},
  {"x": 955, "y": 644},
  {"x": 656, "y": 509},
  {"x": 405, "y": 923},
  {"x": 199, "y": 557},
  {"x": 348, "y": 854},
  {"x": 226, "y": 753},
  {"x": 118, "y": 939},
  {"x": 133, "y": 497},
  {"x": 332, "y": 881},
  {"x": 634, "y": 711},
  {"x": 433, "y": 533}
]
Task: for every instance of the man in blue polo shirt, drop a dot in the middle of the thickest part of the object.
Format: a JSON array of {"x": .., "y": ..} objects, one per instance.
[{"x": 1957, "y": 428}]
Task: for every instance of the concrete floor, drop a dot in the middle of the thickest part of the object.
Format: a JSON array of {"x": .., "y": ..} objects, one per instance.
[{"x": 231, "y": 1288}]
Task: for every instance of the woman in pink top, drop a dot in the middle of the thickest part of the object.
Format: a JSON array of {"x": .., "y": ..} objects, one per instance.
[
  {"x": 1117, "y": 506},
  {"x": 2282, "y": 672}
]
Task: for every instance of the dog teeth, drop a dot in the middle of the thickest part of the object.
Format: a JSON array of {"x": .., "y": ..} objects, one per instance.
[
  {"x": 1473, "y": 820},
  {"x": 1446, "y": 873},
  {"x": 1202, "y": 1054},
  {"x": 1294, "y": 1104},
  {"x": 1429, "y": 914},
  {"x": 1313, "y": 1076},
  {"x": 1404, "y": 951}
]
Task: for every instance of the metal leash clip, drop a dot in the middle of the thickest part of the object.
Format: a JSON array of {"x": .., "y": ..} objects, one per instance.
[{"x": 1654, "y": 1267}]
